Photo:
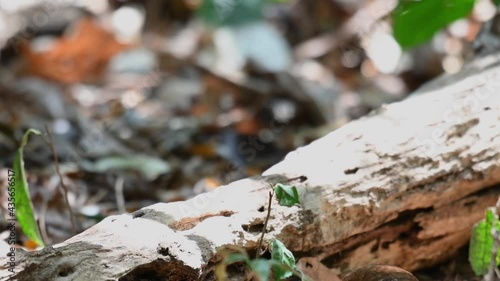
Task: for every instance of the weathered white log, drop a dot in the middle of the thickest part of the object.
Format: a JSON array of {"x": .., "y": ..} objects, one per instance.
[{"x": 402, "y": 186}]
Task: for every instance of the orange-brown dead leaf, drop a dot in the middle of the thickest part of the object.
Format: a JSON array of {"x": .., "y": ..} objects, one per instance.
[{"x": 81, "y": 55}]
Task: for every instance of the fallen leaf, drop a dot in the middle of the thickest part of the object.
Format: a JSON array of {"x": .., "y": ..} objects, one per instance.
[{"x": 81, "y": 55}]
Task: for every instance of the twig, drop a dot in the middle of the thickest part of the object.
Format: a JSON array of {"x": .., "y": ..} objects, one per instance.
[
  {"x": 56, "y": 167},
  {"x": 42, "y": 222},
  {"x": 271, "y": 194},
  {"x": 299, "y": 178}
]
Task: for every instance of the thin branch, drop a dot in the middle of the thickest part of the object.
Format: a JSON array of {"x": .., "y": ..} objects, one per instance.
[
  {"x": 259, "y": 246},
  {"x": 42, "y": 222},
  {"x": 58, "y": 171}
]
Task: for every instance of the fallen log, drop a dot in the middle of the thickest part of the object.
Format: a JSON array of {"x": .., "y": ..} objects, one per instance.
[{"x": 402, "y": 186}]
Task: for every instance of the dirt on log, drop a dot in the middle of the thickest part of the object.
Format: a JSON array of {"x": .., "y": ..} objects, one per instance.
[{"x": 402, "y": 186}]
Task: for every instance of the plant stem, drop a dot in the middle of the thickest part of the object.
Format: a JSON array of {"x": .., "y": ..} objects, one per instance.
[{"x": 258, "y": 253}]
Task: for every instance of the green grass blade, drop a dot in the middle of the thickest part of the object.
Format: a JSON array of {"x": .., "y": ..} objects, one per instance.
[{"x": 24, "y": 208}]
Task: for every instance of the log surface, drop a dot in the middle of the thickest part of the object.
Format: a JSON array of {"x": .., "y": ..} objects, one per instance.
[{"x": 402, "y": 186}]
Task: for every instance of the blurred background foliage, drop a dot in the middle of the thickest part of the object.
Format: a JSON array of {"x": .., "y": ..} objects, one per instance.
[{"x": 158, "y": 101}]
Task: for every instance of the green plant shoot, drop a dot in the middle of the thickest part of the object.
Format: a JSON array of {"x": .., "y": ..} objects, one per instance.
[{"x": 24, "y": 208}]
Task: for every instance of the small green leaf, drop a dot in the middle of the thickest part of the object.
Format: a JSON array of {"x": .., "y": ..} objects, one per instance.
[
  {"x": 261, "y": 267},
  {"x": 497, "y": 2},
  {"x": 282, "y": 255},
  {"x": 23, "y": 205},
  {"x": 481, "y": 243},
  {"x": 414, "y": 25},
  {"x": 287, "y": 195}
]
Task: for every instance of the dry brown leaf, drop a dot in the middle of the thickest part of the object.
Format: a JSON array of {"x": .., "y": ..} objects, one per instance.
[{"x": 80, "y": 55}]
